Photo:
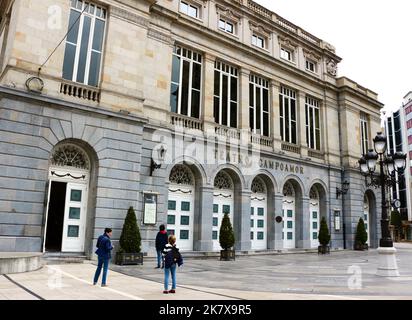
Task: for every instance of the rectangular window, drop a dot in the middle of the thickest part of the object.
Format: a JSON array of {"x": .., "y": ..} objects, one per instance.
[
  {"x": 171, "y": 205},
  {"x": 252, "y": 223},
  {"x": 184, "y": 234},
  {"x": 214, "y": 235},
  {"x": 259, "y": 41},
  {"x": 226, "y": 95},
  {"x": 261, "y": 223},
  {"x": 260, "y": 235},
  {"x": 312, "y": 123},
  {"x": 189, "y": 9},
  {"x": 287, "y": 102},
  {"x": 261, "y": 211},
  {"x": 185, "y": 206},
  {"x": 226, "y": 209},
  {"x": 184, "y": 220},
  {"x": 286, "y": 54},
  {"x": 186, "y": 82},
  {"x": 215, "y": 208},
  {"x": 311, "y": 66},
  {"x": 84, "y": 43},
  {"x": 171, "y": 219},
  {"x": 364, "y": 133},
  {"x": 259, "y": 105},
  {"x": 215, "y": 222},
  {"x": 227, "y": 26}
]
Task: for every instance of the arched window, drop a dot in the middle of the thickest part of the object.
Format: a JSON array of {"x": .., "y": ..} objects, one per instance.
[
  {"x": 258, "y": 186},
  {"x": 70, "y": 155},
  {"x": 181, "y": 174},
  {"x": 223, "y": 181},
  {"x": 288, "y": 190}
]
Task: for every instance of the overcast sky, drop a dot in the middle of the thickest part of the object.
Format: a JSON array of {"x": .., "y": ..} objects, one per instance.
[{"x": 374, "y": 38}]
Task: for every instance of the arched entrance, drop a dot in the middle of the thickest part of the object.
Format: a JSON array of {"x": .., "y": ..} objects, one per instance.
[
  {"x": 223, "y": 202},
  {"x": 314, "y": 212},
  {"x": 180, "y": 217},
  {"x": 68, "y": 194},
  {"x": 289, "y": 216},
  {"x": 258, "y": 215},
  {"x": 367, "y": 217}
]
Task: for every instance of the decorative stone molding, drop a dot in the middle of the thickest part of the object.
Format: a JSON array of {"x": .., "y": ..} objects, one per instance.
[
  {"x": 70, "y": 155},
  {"x": 223, "y": 181},
  {"x": 314, "y": 195},
  {"x": 332, "y": 67},
  {"x": 287, "y": 43},
  {"x": 228, "y": 13},
  {"x": 259, "y": 29},
  {"x": 160, "y": 36},
  {"x": 311, "y": 55},
  {"x": 329, "y": 47},
  {"x": 129, "y": 16},
  {"x": 258, "y": 186},
  {"x": 288, "y": 190}
]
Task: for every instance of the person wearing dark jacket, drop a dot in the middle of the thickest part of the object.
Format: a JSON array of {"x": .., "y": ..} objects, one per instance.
[
  {"x": 161, "y": 242},
  {"x": 104, "y": 248},
  {"x": 172, "y": 258}
]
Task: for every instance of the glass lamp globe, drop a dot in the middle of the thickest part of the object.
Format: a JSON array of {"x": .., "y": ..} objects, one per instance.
[
  {"x": 400, "y": 161},
  {"x": 380, "y": 143},
  {"x": 390, "y": 164},
  {"x": 371, "y": 158},
  {"x": 363, "y": 165}
]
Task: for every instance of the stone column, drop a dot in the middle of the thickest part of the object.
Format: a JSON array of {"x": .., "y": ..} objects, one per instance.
[
  {"x": 303, "y": 224},
  {"x": 242, "y": 223},
  {"x": 209, "y": 79},
  {"x": 204, "y": 223},
  {"x": 275, "y": 229},
  {"x": 244, "y": 99},
  {"x": 275, "y": 115},
  {"x": 301, "y": 126}
]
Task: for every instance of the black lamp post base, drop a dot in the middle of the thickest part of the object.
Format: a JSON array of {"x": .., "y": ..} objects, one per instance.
[{"x": 385, "y": 243}]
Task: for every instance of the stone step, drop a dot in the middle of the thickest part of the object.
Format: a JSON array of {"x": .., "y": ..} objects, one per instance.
[
  {"x": 63, "y": 257},
  {"x": 18, "y": 262}
]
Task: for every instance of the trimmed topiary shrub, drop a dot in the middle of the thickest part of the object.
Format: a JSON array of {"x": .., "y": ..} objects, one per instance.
[
  {"x": 130, "y": 239},
  {"x": 226, "y": 236},
  {"x": 324, "y": 236},
  {"x": 361, "y": 236}
]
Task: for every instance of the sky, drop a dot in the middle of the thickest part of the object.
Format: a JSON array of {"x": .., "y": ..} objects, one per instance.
[{"x": 373, "y": 37}]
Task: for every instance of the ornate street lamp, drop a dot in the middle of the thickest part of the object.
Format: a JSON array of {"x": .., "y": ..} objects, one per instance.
[{"x": 388, "y": 165}]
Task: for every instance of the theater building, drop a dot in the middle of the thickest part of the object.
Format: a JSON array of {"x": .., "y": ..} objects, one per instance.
[{"x": 185, "y": 110}]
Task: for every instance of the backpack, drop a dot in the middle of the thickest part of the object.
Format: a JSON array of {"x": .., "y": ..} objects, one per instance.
[{"x": 176, "y": 255}]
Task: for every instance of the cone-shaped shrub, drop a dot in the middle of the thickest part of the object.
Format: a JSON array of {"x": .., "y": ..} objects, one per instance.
[
  {"x": 226, "y": 236},
  {"x": 361, "y": 234},
  {"x": 324, "y": 236},
  {"x": 130, "y": 240}
]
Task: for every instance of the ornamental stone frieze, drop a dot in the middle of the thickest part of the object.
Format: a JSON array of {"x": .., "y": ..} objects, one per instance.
[
  {"x": 228, "y": 13},
  {"x": 259, "y": 29},
  {"x": 311, "y": 55},
  {"x": 287, "y": 43},
  {"x": 129, "y": 16},
  {"x": 332, "y": 67}
]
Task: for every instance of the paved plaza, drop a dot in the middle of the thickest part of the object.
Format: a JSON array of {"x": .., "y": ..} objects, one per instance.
[{"x": 344, "y": 275}]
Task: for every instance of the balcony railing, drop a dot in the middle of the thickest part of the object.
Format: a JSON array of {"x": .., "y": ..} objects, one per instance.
[
  {"x": 261, "y": 140},
  {"x": 227, "y": 132},
  {"x": 290, "y": 147},
  {"x": 179, "y": 120},
  {"x": 259, "y": 9},
  {"x": 81, "y": 91},
  {"x": 316, "y": 154}
]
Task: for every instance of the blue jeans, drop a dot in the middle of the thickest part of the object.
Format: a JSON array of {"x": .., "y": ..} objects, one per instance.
[
  {"x": 103, "y": 262},
  {"x": 159, "y": 258},
  {"x": 172, "y": 270}
]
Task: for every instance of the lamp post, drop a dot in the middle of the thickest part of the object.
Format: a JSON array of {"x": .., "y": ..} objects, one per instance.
[{"x": 388, "y": 166}]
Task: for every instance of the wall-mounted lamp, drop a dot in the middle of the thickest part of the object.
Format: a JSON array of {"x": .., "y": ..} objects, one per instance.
[
  {"x": 161, "y": 156},
  {"x": 344, "y": 190}
]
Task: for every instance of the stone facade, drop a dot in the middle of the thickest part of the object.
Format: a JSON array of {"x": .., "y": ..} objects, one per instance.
[{"x": 120, "y": 128}]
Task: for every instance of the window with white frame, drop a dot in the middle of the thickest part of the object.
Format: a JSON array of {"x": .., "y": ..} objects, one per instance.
[
  {"x": 364, "y": 133},
  {"x": 84, "y": 43},
  {"x": 190, "y": 9},
  {"x": 259, "y": 105},
  {"x": 226, "y": 95},
  {"x": 186, "y": 82},
  {"x": 311, "y": 66},
  {"x": 312, "y": 113},
  {"x": 287, "y": 106},
  {"x": 286, "y": 54},
  {"x": 259, "y": 41},
  {"x": 227, "y": 26}
]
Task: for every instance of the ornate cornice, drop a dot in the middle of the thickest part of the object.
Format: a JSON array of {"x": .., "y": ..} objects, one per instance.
[
  {"x": 160, "y": 36},
  {"x": 287, "y": 43},
  {"x": 259, "y": 29},
  {"x": 227, "y": 13},
  {"x": 309, "y": 54},
  {"x": 129, "y": 16}
]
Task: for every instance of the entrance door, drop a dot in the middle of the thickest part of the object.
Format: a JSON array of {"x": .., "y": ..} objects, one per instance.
[
  {"x": 314, "y": 222},
  {"x": 55, "y": 216},
  {"x": 289, "y": 239},
  {"x": 366, "y": 217},
  {"x": 180, "y": 216},
  {"x": 74, "y": 218},
  {"x": 258, "y": 218},
  {"x": 222, "y": 203}
]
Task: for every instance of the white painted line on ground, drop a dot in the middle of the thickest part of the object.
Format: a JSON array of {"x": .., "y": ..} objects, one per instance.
[{"x": 88, "y": 282}]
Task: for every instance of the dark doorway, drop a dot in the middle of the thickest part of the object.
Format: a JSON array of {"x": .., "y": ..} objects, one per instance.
[{"x": 55, "y": 216}]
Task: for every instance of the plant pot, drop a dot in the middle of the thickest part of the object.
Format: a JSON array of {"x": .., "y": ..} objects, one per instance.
[
  {"x": 365, "y": 246},
  {"x": 227, "y": 255},
  {"x": 323, "y": 250},
  {"x": 129, "y": 258},
  {"x": 360, "y": 247}
]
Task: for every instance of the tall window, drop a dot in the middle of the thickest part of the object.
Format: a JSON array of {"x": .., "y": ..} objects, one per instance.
[
  {"x": 259, "y": 41},
  {"x": 287, "y": 105},
  {"x": 226, "y": 95},
  {"x": 84, "y": 43},
  {"x": 364, "y": 133},
  {"x": 226, "y": 26},
  {"x": 186, "y": 82},
  {"x": 312, "y": 123},
  {"x": 189, "y": 9},
  {"x": 259, "y": 105}
]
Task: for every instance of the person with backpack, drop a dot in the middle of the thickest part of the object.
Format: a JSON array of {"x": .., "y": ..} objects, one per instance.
[
  {"x": 104, "y": 248},
  {"x": 161, "y": 242},
  {"x": 172, "y": 259}
]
